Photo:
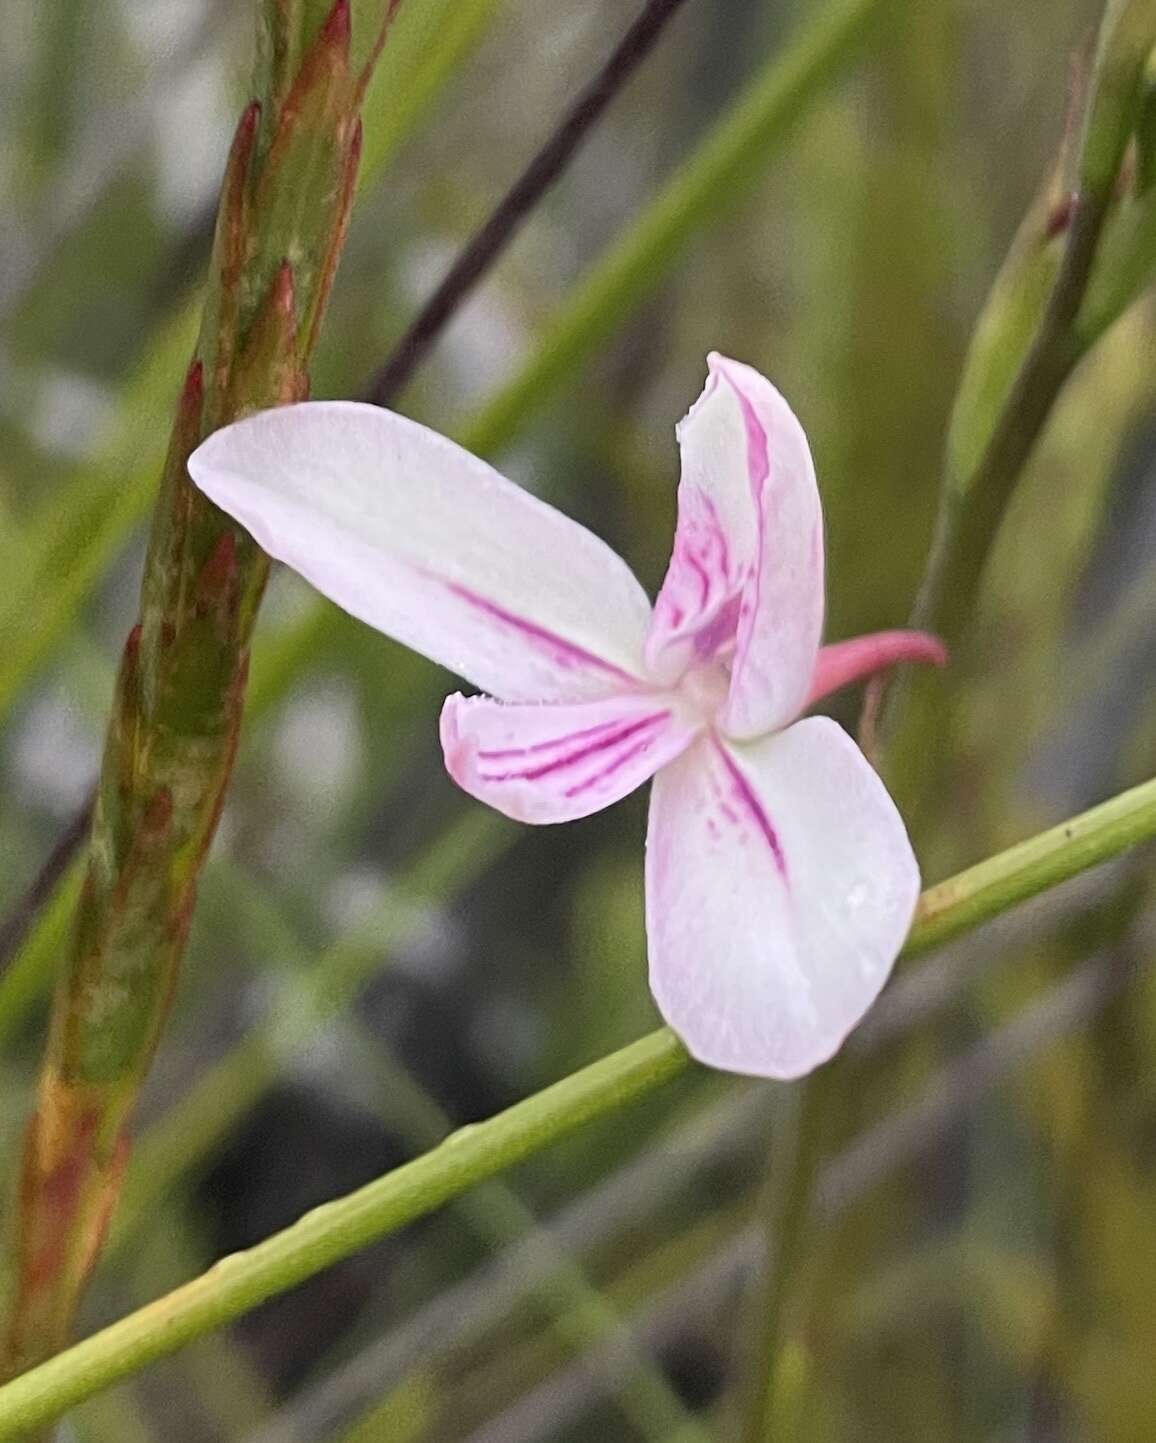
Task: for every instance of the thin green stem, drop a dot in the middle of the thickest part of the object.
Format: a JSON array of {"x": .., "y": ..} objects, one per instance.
[
  {"x": 333, "y": 1231},
  {"x": 322, "y": 991},
  {"x": 482, "y": 1150},
  {"x": 575, "y": 1309},
  {"x": 786, "y": 1212},
  {"x": 991, "y": 887},
  {"x": 974, "y": 504}
]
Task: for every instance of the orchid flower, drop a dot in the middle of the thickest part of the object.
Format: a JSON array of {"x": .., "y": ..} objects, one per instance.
[{"x": 780, "y": 882}]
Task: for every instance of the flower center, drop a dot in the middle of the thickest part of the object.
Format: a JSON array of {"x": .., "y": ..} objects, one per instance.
[{"x": 705, "y": 688}]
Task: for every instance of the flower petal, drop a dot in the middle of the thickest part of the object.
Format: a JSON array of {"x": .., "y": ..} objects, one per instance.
[
  {"x": 780, "y": 886},
  {"x": 716, "y": 538},
  {"x": 425, "y": 542},
  {"x": 556, "y": 762},
  {"x": 747, "y": 565}
]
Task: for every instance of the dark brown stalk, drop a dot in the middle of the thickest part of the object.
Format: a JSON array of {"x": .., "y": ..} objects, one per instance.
[
  {"x": 487, "y": 243},
  {"x": 15, "y": 926}
]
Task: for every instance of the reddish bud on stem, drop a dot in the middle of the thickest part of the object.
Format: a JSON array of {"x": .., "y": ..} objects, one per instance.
[
  {"x": 230, "y": 242},
  {"x": 1060, "y": 216},
  {"x": 337, "y": 29}
]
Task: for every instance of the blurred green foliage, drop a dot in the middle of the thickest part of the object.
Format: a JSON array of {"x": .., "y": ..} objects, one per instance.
[{"x": 373, "y": 957}]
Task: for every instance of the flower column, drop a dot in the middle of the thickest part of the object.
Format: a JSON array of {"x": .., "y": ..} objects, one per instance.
[{"x": 176, "y": 713}]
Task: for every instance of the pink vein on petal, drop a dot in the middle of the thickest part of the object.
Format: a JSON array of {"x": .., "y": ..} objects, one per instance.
[
  {"x": 703, "y": 577},
  {"x": 758, "y": 449},
  {"x": 566, "y": 653},
  {"x": 719, "y": 632},
  {"x": 532, "y": 774},
  {"x": 758, "y": 469},
  {"x": 745, "y": 793},
  {"x": 720, "y": 536},
  {"x": 611, "y": 767},
  {"x": 505, "y": 753}
]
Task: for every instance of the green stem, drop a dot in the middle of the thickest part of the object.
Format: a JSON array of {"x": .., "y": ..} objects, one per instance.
[
  {"x": 786, "y": 1212},
  {"x": 974, "y": 504},
  {"x": 991, "y": 887},
  {"x": 578, "y": 1313},
  {"x": 330, "y": 1233},
  {"x": 176, "y": 711}
]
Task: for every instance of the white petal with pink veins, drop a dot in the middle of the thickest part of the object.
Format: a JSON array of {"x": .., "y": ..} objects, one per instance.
[
  {"x": 716, "y": 538},
  {"x": 780, "y": 886},
  {"x": 552, "y": 763},
  {"x": 430, "y": 545},
  {"x": 781, "y": 616},
  {"x": 745, "y": 580}
]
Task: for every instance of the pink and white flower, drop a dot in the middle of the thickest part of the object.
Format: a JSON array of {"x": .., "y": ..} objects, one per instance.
[{"x": 780, "y": 882}]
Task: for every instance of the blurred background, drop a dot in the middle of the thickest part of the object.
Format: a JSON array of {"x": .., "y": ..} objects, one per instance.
[{"x": 376, "y": 958}]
